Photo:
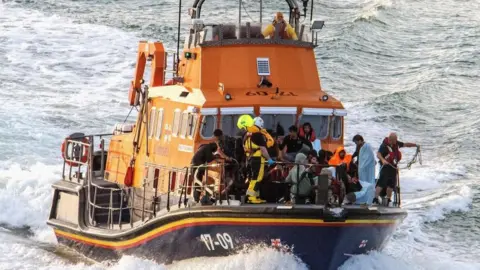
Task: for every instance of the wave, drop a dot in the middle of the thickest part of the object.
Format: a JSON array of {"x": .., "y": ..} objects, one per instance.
[
  {"x": 255, "y": 258},
  {"x": 26, "y": 197},
  {"x": 370, "y": 11}
]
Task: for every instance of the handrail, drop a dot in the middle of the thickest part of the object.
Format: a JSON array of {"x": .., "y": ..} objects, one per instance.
[{"x": 122, "y": 198}]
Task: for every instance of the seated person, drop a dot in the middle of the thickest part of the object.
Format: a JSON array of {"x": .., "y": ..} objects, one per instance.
[
  {"x": 343, "y": 162},
  {"x": 293, "y": 144},
  {"x": 303, "y": 182},
  {"x": 307, "y": 132},
  {"x": 340, "y": 157},
  {"x": 286, "y": 31},
  {"x": 324, "y": 156},
  {"x": 315, "y": 168},
  {"x": 312, "y": 155}
]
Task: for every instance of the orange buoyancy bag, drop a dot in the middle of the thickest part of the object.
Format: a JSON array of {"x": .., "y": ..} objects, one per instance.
[{"x": 268, "y": 137}]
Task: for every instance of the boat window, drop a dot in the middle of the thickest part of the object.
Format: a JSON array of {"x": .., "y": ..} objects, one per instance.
[
  {"x": 192, "y": 124},
  {"x": 176, "y": 122},
  {"x": 159, "y": 123},
  {"x": 279, "y": 123},
  {"x": 336, "y": 129},
  {"x": 319, "y": 124},
  {"x": 209, "y": 123},
  {"x": 151, "y": 124},
  {"x": 183, "y": 127},
  {"x": 229, "y": 124}
]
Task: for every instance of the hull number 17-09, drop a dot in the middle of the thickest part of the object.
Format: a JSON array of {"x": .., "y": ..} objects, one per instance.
[{"x": 221, "y": 239}]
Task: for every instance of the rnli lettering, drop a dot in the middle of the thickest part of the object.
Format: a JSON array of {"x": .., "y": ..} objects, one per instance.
[
  {"x": 264, "y": 93},
  {"x": 224, "y": 240}
]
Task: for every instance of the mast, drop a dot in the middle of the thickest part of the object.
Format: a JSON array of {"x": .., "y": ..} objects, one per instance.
[
  {"x": 239, "y": 18},
  {"x": 261, "y": 11},
  {"x": 178, "y": 35},
  {"x": 311, "y": 12}
]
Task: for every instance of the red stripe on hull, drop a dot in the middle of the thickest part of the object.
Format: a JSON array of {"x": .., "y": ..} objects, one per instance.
[{"x": 206, "y": 223}]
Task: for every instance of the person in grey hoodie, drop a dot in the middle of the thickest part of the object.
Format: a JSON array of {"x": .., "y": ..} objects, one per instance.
[{"x": 303, "y": 182}]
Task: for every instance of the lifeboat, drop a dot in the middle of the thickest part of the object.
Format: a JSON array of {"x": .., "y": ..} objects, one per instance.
[{"x": 136, "y": 196}]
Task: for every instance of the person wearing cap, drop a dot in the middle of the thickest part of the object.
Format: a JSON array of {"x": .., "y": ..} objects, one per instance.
[
  {"x": 366, "y": 173},
  {"x": 255, "y": 146},
  {"x": 285, "y": 30}
]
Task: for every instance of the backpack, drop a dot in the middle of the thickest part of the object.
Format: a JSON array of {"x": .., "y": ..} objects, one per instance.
[{"x": 268, "y": 137}]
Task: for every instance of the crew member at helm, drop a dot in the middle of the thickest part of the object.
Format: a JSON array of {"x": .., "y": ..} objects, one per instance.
[
  {"x": 285, "y": 30},
  {"x": 255, "y": 146}
]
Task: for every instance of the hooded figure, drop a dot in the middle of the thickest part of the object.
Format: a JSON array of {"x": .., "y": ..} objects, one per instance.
[
  {"x": 340, "y": 157},
  {"x": 366, "y": 175},
  {"x": 302, "y": 183}
]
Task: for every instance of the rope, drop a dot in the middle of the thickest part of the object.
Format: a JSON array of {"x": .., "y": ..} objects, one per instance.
[
  {"x": 129, "y": 114},
  {"x": 243, "y": 5},
  {"x": 416, "y": 158}
]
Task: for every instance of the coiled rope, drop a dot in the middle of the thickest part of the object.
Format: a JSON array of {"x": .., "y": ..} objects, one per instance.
[{"x": 416, "y": 158}]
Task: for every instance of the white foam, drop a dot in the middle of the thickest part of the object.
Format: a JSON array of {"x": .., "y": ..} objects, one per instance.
[
  {"x": 382, "y": 261},
  {"x": 255, "y": 258},
  {"x": 26, "y": 196},
  {"x": 133, "y": 263},
  {"x": 460, "y": 201},
  {"x": 369, "y": 9}
]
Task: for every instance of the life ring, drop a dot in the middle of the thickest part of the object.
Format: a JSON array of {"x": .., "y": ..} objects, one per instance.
[{"x": 80, "y": 147}]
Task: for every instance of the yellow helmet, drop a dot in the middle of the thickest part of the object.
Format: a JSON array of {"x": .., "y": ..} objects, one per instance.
[{"x": 245, "y": 121}]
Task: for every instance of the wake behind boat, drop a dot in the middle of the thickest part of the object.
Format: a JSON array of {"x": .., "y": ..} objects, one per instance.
[{"x": 142, "y": 197}]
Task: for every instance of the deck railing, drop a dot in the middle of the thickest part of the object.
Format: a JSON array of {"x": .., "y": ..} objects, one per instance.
[
  {"x": 79, "y": 153},
  {"x": 122, "y": 205},
  {"x": 146, "y": 202}
]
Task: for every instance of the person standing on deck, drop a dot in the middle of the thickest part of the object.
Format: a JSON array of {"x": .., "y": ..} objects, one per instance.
[
  {"x": 389, "y": 156},
  {"x": 204, "y": 155},
  {"x": 366, "y": 173},
  {"x": 256, "y": 152}
]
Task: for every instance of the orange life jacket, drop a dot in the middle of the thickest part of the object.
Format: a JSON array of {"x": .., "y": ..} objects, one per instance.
[
  {"x": 336, "y": 160},
  {"x": 394, "y": 155},
  {"x": 311, "y": 136}
]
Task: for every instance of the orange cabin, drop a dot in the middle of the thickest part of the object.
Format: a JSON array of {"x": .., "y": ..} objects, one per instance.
[{"x": 220, "y": 77}]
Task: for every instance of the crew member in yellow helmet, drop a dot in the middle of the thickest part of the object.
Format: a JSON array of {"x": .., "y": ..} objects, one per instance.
[{"x": 255, "y": 146}]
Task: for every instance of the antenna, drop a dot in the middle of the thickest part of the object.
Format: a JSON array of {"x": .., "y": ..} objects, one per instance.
[
  {"x": 178, "y": 35},
  {"x": 305, "y": 5},
  {"x": 311, "y": 11},
  {"x": 239, "y": 18}
]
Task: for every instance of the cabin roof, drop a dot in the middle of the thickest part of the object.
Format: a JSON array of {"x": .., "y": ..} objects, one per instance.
[
  {"x": 267, "y": 97},
  {"x": 178, "y": 93},
  {"x": 264, "y": 97}
]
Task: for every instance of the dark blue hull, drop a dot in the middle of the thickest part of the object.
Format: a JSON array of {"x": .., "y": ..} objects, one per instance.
[{"x": 321, "y": 243}]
